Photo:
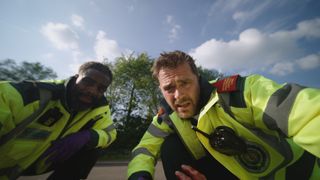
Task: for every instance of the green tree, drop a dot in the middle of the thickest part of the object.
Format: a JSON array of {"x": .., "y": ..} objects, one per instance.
[
  {"x": 11, "y": 71},
  {"x": 134, "y": 98},
  {"x": 209, "y": 74}
]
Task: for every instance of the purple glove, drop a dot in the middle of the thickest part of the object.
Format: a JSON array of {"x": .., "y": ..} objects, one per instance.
[
  {"x": 64, "y": 148},
  {"x": 142, "y": 178}
]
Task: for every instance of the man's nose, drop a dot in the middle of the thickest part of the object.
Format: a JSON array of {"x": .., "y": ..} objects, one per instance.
[
  {"x": 93, "y": 90},
  {"x": 177, "y": 93}
]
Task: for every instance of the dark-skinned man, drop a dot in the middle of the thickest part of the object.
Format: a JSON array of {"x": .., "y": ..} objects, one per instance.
[{"x": 60, "y": 126}]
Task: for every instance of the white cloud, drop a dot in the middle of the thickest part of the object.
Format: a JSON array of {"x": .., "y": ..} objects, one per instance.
[
  {"x": 254, "y": 12},
  {"x": 174, "y": 28},
  {"x": 309, "y": 62},
  {"x": 169, "y": 19},
  {"x": 282, "y": 69},
  {"x": 308, "y": 29},
  {"x": 61, "y": 36},
  {"x": 130, "y": 8},
  {"x": 224, "y": 6},
  {"x": 238, "y": 9},
  {"x": 77, "y": 21},
  {"x": 240, "y": 16},
  {"x": 254, "y": 50},
  {"x": 107, "y": 48}
]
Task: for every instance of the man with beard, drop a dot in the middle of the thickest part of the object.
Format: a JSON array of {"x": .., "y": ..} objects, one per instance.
[
  {"x": 61, "y": 125},
  {"x": 232, "y": 128}
]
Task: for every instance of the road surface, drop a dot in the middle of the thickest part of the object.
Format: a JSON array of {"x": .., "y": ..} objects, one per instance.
[{"x": 106, "y": 171}]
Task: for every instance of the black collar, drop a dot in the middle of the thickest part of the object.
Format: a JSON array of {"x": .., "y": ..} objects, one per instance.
[{"x": 205, "y": 92}]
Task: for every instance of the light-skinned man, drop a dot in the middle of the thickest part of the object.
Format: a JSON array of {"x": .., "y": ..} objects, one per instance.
[{"x": 232, "y": 128}]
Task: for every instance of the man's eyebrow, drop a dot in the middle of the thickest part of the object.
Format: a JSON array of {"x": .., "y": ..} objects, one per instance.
[
  {"x": 167, "y": 86},
  {"x": 93, "y": 80},
  {"x": 88, "y": 78}
]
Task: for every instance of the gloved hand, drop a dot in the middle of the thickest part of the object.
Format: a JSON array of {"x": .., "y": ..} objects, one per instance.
[
  {"x": 144, "y": 178},
  {"x": 64, "y": 148}
]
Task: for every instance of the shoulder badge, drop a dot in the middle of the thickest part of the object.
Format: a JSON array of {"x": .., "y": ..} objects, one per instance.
[
  {"x": 227, "y": 84},
  {"x": 160, "y": 111}
]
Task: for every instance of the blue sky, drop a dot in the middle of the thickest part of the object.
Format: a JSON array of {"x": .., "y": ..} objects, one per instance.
[{"x": 278, "y": 39}]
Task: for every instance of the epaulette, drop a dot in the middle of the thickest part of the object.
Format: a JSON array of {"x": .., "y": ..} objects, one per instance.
[
  {"x": 163, "y": 117},
  {"x": 160, "y": 115},
  {"x": 228, "y": 84},
  {"x": 161, "y": 111}
]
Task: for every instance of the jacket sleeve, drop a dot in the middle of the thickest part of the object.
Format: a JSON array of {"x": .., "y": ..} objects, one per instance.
[
  {"x": 104, "y": 131},
  {"x": 292, "y": 109},
  {"x": 6, "y": 117},
  {"x": 304, "y": 120},
  {"x": 146, "y": 153},
  {"x": 13, "y": 107}
]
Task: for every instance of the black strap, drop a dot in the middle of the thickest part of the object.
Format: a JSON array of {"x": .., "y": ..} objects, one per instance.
[
  {"x": 306, "y": 162},
  {"x": 45, "y": 96},
  {"x": 224, "y": 100}
]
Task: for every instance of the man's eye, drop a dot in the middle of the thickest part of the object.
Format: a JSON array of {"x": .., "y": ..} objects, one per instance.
[
  {"x": 87, "y": 81},
  {"x": 184, "y": 84},
  {"x": 102, "y": 89},
  {"x": 169, "y": 89}
]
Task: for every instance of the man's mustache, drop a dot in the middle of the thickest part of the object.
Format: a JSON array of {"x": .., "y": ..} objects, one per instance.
[
  {"x": 181, "y": 101},
  {"x": 94, "y": 98}
]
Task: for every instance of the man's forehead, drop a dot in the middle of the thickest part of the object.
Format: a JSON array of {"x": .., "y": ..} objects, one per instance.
[
  {"x": 96, "y": 75},
  {"x": 180, "y": 73},
  {"x": 167, "y": 81}
]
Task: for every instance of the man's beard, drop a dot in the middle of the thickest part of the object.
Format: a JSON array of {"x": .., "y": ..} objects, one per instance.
[
  {"x": 79, "y": 105},
  {"x": 187, "y": 107}
]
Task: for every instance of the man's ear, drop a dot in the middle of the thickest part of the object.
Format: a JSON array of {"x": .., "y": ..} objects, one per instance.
[{"x": 76, "y": 77}]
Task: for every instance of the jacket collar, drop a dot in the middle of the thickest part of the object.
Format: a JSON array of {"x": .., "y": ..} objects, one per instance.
[{"x": 206, "y": 90}]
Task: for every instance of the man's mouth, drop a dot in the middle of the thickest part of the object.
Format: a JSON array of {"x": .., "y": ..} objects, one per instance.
[
  {"x": 86, "y": 99},
  {"x": 183, "y": 106}
]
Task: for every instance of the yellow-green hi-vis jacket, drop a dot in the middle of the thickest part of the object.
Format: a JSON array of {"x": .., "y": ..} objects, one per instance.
[
  {"x": 20, "y": 100},
  {"x": 279, "y": 123}
]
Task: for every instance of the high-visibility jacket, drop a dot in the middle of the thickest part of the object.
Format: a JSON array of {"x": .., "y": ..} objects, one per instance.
[
  {"x": 20, "y": 100},
  {"x": 278, "y": 123}
]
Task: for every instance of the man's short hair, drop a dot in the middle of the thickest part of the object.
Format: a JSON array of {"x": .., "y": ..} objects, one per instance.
[
  {"x": 172, "y": 60},
  {"x": 97, "y": 66}
]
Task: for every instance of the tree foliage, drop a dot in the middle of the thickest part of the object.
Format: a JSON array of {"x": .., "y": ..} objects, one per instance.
[
  {"x": 11, "y": 71},
  {"x": 209, "y": 74},
  {"x": 134, "y": 98},
  {"x": 134, "y": 90}
]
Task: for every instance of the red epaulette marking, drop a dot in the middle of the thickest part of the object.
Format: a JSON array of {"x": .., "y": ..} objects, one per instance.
[
  {"x": 228, "y": 84},
  {"x": 160, "y": 111}
]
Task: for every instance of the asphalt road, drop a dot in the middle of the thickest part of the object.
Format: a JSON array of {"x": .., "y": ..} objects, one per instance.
[{"x": 106, "y": 171}]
